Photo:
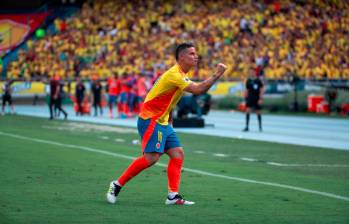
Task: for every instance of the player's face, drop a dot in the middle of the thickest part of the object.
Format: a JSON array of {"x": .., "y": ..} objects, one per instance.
[{"x": 190, "y": 57}]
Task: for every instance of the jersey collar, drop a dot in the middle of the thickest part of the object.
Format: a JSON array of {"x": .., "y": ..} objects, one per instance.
[{"x": 180, "y": 69}]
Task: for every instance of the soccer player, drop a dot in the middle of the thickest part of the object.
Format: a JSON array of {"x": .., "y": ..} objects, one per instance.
[
  {"x": 125, "y": 90},
  {"x": 158, "y": 136},
  {"x": 113, "y": 86},
  {"x": 254, "y": 98}
]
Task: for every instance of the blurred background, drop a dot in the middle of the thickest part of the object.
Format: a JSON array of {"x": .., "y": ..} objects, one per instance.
[{"x": 300, "y": 49}]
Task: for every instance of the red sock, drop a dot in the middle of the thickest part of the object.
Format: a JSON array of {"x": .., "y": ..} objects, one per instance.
[
  {"x": 135, "y": 168},
  {"x": 174, "y": 174},
  {"x": 119, "y": 105},
  {"x": 126, "y": 109}
]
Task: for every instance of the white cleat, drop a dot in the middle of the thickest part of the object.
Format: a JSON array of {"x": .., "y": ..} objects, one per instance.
[
  {"x": 112, "y": 193},
  {"x": 178, "y": 200}
]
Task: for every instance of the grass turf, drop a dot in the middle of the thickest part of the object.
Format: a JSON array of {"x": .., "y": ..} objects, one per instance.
[{"x": 52, "y": 182}]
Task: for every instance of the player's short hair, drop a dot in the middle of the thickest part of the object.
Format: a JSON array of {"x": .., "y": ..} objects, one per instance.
[{"x": 181, "y": 47}]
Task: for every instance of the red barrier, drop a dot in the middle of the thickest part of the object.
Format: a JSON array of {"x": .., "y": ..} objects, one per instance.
[
  {"x": 345, "y": 109},
  {"x": 322, "y": 107},
  {"x": 313, "y": 101},
  {"x": 242, "y": 107}
]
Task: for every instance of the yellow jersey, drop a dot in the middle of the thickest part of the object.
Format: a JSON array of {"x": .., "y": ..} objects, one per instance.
[{"x": 164, "y": 95}]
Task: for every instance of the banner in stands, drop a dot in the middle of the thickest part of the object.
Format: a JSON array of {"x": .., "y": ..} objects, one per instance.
[
  {"x": 14, "y": 28},
  {"x": 38, "y": 88},
  {"x": 219, "y": 89},
  {"x": 26, "y": 88},
  {"x": 227, "y": 88}
]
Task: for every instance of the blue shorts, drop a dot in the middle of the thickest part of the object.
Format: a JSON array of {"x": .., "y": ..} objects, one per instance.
[
  {"x": 124, "y": 96},
  {"x": 112, "y": 99},
  {"x": 156, "y": 137}
]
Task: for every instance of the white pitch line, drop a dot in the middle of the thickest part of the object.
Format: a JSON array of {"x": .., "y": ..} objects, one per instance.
[
  {"x": 331, "y": 195},
  {"x": 308, "y": 165},
  {"x": 248, "y": 159},
  {"x": 199, "y": 152},
  {"x": 295, "y": 164},
  {"x": 120, "y": 140},
  {"x": 220, "y": 155}
]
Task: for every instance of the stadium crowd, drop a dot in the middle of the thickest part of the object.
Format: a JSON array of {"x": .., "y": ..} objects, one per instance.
[{"x": 307, "y": 38}]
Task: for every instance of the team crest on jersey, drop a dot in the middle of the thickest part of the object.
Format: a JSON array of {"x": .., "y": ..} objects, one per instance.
[{"x": 157, "y": 145}]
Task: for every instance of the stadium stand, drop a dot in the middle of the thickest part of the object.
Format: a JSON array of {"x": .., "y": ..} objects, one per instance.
[{"x": 307, "y": 38}]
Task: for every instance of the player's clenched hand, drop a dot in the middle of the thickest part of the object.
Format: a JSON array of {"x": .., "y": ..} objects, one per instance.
[{"x": 220, "y": 69}]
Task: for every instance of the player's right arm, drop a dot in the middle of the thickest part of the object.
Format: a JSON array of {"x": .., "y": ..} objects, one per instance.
[{"x": 204, "y": 86}]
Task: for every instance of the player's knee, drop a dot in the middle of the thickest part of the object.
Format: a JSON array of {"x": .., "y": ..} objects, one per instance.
[
  {"x": 152, "y": 158},
  {"x": 181, "y": 153},
  {"x": 177, "y": 153}
]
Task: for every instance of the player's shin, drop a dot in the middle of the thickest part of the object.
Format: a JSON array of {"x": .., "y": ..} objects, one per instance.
[
  {"x": 174, "y": 174},
  {"x": 135, "y": 168}
]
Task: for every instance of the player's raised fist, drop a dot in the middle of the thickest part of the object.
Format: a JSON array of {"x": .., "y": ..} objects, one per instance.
[{"x": 220, "y": 69}]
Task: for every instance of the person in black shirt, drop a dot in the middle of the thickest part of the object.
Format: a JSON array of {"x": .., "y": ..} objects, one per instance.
[
  {"x": 96, "y": 89},
  {"x": 55, "y": 102},
  {"x": 79, "y": 94},
  {"x": 254, "y": 98},
  {"x": 7, "y": 96}
]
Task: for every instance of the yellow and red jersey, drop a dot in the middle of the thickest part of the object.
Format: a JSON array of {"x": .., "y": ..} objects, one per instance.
[{"x": 164, "y": 95}]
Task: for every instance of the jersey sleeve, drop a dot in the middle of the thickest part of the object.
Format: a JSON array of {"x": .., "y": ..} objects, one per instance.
[{"x": 179, "y": 81}]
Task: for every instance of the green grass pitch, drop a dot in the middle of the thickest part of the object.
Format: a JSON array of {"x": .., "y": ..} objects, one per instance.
[{"x": 59, "y": 172}]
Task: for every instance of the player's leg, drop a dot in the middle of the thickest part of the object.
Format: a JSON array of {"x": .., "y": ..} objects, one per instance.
[
  {"x": 247, "y": 118},
  {"x": 99, "y": 105},
  {"x": 56, "y": 110},
  {"x": 50, "y": 105},
  {"x": 100, "y": 108},
  {"x": 124, "y": 99},
  {"x": 119, "y": 105},
  {"x": 152, "y": 150},
  {"x": 259, "y": 117},
  {"x": 174, "y": 170},
  {"x": 81, "y": 106},
  {"x": 79, "y": 103},
  {"x": 137, "y": 166},
  {"x": 110, "y": 103},
  {"x": 3, "y": 104},
  {"x": 131, "y": 99},
  {"x": 142, "y": 162},
  {"x": 12, "y": 108},
  {"x": 65, "y": 113},
  {"x": 58, "y": 106},
  {"x": 95, "y": 106}
]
